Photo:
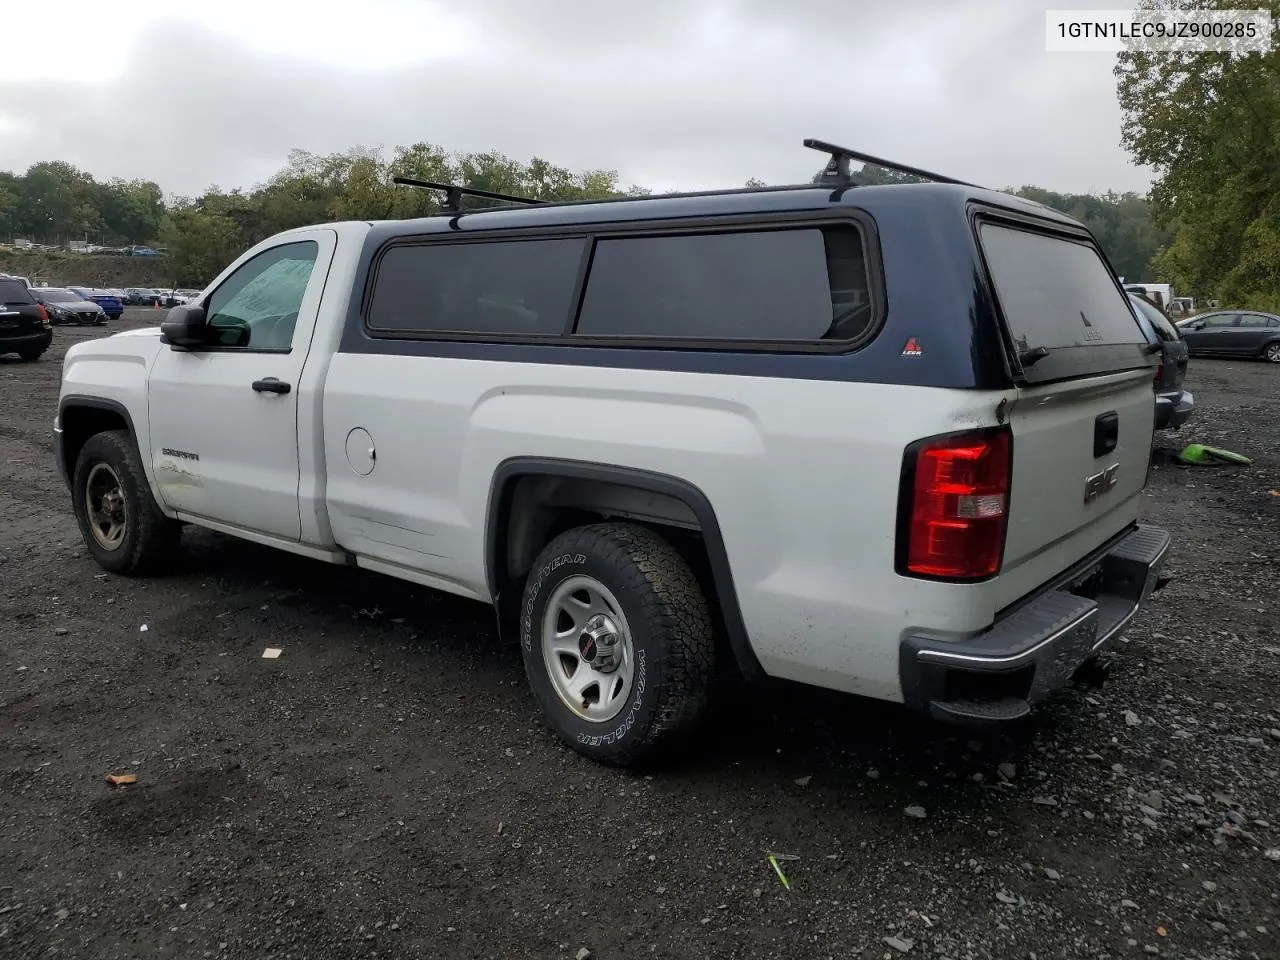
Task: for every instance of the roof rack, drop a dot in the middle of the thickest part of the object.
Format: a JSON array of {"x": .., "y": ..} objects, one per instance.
[
  {"x": 837, "y": 169},
  {"x": 454, "y": 193}
]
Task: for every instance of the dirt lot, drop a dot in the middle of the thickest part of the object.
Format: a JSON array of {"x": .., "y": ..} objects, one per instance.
[{"x": 385, "y": 787}]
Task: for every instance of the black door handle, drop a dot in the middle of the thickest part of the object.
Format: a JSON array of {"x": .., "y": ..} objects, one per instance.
[
  {"x": 1106, "y": 433},
  {"x": 271, "y": 385}
]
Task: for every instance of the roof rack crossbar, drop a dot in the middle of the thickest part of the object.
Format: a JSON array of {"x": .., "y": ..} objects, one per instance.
[
  {"x": 838, "y": 166},
  {"x": 454, "y": 193}
]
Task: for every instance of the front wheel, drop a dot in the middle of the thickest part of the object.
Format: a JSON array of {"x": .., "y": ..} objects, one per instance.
[
  {"x": 1271, "y": 352},
  {"x": 122, "y": 525},
  {"x": 617, "y": 641}
]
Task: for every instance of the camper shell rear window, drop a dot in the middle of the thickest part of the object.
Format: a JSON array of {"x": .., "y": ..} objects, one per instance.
[{"x": 1063, "y": 310}]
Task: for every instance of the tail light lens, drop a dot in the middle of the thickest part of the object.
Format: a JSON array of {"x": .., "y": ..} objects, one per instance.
[
  {"x": 44, "y": 314},
  {"x": 955, "y": 503},
  {"x": 1159, "y": 371}
]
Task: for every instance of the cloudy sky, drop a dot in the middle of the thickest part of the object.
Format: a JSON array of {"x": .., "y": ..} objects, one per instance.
[{"x": 674, "y": 94}]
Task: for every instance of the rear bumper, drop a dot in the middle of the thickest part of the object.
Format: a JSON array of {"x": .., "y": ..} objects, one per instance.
[
  {"x": 1174, "y": 409},
  {"x": 21, "y": 341},
  {"x": 998, "y": 674}
]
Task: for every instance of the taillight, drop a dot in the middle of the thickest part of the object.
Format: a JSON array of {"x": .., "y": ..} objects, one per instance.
[
  {"x": 44, "y": 314},
  {"x": 955, "y": 502},
  {"x": 1159, "y": 371}
]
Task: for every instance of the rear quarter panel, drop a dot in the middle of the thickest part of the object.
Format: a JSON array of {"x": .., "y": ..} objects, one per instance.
[{"x": 802, "y": 475}]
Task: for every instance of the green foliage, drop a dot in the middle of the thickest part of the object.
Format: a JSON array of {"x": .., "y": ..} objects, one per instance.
[
  {"x": 1209, "y": 124},
  {"x": 203, "y": 234},
  {"x": 55, "y": 202},
  {"x": 1121, "y": 222},
  {"x": 200, "y": 242}
]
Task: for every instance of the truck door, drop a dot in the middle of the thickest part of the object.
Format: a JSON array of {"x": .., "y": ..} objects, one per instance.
[{"x": 224, "y": 417}]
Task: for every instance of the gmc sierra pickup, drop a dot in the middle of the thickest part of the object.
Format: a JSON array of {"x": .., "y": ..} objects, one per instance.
[{"x": 889, "y": 440}]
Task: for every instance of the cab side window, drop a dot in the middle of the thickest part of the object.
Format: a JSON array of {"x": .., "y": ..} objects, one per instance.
[{"x": 256, "y": 308}]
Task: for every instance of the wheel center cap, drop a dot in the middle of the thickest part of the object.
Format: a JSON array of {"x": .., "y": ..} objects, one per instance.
[{"x": 598, "y": 643}]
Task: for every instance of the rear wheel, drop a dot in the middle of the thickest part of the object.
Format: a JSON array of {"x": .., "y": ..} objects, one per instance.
[
  {"x": 1271, "y": 352},
  {"x": 31, "y": 354},
  {"x": 617, "y": 641},
  {"x": 122, "y": 525}
]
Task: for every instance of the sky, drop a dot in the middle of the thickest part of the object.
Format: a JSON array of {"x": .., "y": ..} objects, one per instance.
[{"x": 673, "y": 94}]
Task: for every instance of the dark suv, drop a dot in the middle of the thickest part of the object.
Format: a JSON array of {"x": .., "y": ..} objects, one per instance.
[
  {"x": 1174, "y": 403},
  {"x": 24, "y": 323}
]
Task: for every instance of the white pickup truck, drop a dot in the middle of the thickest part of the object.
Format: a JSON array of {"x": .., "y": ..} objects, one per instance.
[{"x": 888, "y": 440}]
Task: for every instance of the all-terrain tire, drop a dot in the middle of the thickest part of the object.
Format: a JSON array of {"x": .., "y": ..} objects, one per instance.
[
  {"x": 150, "y": 539},
  {"x": 671, "y": 632}
]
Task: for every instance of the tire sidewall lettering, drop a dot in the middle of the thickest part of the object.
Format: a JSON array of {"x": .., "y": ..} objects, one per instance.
[
  {"x": 637, "y": 714},
  {"x": 629, "y": 720},
  {"x": 534, "y": 593}
]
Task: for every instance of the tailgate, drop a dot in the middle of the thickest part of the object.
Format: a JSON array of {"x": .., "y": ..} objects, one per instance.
[
  {"x": 1084, "y": 409},
  {"x": 20, "y": 318},
  {"x": 1080, "y": 454},
  {"x": 18, "y": 310}
]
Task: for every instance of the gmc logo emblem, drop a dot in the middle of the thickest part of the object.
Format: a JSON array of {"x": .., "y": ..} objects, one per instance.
[{"x": 1100, "y": 483}]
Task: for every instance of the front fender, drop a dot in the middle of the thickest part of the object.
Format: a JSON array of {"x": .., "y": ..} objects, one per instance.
[{"x": 109, "y": 376}]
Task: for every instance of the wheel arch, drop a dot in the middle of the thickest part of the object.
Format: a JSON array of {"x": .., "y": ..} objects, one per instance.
[
  {"x": 79, "y": 418},
  {"x": 677, "y": 494}
]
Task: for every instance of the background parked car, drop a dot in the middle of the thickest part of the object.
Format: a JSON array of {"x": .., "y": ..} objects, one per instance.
[
  {"x": 175, "y": 297},
  {"x": 65, "y": 306},
  {"x": 1233, "y": 333},
  {"x": 111, "y": 305},
  {"x": 141, "y": 296},
  {"x": 1174, "y": 404},
  {"x": 24, "y": 323}
]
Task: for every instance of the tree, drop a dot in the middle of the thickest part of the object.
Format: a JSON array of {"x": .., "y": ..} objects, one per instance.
[
  {"x": 1209, "y": 124},
  {"x": 1121, "y": 222},
  {"x": 200, "y": 244},
  {"x": 55, "y": 201},
  {"x": 9, "y": 195}
]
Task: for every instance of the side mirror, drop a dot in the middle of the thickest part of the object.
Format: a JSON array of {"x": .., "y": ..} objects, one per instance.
[{"x": 184, "y": 327}]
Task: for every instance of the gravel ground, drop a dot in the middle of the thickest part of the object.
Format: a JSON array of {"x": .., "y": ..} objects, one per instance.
[{"x": 385, "y": 788}]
